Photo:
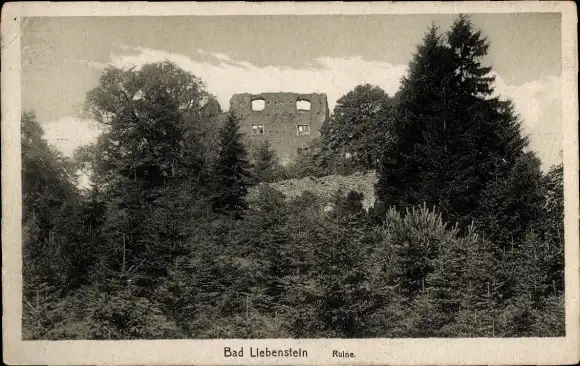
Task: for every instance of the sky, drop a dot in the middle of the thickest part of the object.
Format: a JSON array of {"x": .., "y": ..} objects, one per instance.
[{"x": 63, "y": 58}]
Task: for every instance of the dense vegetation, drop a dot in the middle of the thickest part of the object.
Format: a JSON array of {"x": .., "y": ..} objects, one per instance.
[{"x": 465, "y": 240}]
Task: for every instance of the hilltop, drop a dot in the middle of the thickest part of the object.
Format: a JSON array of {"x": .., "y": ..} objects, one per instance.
[{"x": 324, "y": 187}]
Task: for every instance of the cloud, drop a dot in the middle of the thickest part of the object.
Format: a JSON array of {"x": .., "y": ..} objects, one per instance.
[
  {"x": 225, "y": 76},
  {"x": 93, "y": 64},
  {"x": 219, "y": 56},
  {"x": 537, "y": 101},
  {"x": 539, "y": 104},
  {"x": 69, "y": 133},
  {"x": 531, "y": 97}
]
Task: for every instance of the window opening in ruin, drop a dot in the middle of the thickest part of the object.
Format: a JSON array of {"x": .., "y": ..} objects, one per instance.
[
  {"x": 258, "y": 104},
  {"x": 303, "y": 129},
  {"x": 303, "y": 105},
  {"x": 257, "y": 129}
]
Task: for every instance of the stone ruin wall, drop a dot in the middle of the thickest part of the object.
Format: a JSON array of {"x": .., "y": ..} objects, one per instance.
[
  {"x": 325, "y": 187},
  {"x": 280, "y": 118}
]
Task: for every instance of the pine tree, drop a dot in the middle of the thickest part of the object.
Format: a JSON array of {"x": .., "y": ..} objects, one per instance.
[
  {"x": 495, "y": 145},
  {"x": 451, "y": 138},
  {"x": 50, "y": 205},
  {"x": 264, "y": 164},
  {"x": 413, "y": 166},
  {"x": 551, "y": 226},
  {"x": 511, "y": 204},
  {"x": 230, "y": 172},
  {"x": 468, "y": 47},
  {"x": 271, "y": 243},
  {"x": 347, "y": 295}
]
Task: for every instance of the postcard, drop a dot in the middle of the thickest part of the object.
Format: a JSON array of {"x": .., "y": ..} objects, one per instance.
[{"x": 288, "y": 183}]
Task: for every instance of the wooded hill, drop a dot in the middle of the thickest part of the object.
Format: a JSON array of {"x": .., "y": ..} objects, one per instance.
[{"x": 465, "y": 238}]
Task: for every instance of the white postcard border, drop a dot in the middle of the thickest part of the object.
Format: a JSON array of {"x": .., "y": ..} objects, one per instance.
[{"x": 562, "y": 350}]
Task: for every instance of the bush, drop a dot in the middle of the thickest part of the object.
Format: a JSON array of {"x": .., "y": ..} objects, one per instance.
[{"x": 124, "y": 316}]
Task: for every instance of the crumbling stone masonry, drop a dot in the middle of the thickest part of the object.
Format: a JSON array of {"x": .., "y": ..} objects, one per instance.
[
  {"x": 289, "y": 121},
  {"x": 325, "y": 187}
]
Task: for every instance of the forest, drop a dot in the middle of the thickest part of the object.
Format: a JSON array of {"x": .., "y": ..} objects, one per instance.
[{"x": 465, "y": 238}]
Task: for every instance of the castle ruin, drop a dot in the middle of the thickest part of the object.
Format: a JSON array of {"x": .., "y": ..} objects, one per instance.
[{"x": 289, "y": 121}]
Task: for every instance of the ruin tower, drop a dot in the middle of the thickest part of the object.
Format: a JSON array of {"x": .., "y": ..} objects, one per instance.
[{"x": 289, "y": 121}]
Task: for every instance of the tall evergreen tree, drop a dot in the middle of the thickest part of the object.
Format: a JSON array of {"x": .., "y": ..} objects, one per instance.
[
  {"x": 47, "y": 177},
  {"x": 54, "y": 250},
  {"x": 497, "y": 148},
  {"x": 468, "y": 47},
  {"x": 347, "y": 291},
  {"x": 230, "y": 172},
  {"x": 412, "y": 169},
  {"x": 552, "y": 224},
  {"x": 264, "y": 163},
  {"x": 451, "y": 138}
]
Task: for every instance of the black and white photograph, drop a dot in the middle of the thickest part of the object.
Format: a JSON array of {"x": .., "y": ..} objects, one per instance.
[{"x": 285, "y": 176}]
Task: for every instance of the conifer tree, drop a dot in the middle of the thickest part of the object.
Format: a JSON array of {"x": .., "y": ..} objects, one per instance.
[
  {"x": 264, "y": 163},
  {"x": 49, "y": 208},
  {"x": 412, "y": 169},
  {"x": 230, "y": 172},
  {"x": 495, "y": 145},
  {"x": 552, "y": 225},
  {"x": 468, "y": 47},
  {"x": 451, "y": 138},
  {"x": 511, "y": 204},
  {"x": 347, "y": 294}
]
